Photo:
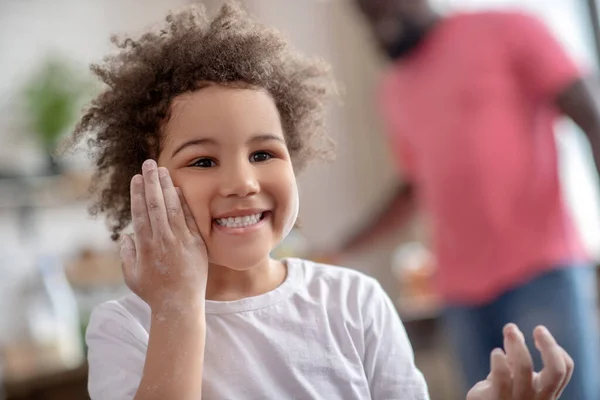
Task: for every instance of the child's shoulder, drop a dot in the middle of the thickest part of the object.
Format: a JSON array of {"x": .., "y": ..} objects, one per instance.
[
  {"x": 345, "y": 293},
  {"x": 329, "y": 271},
  {"x": 334, "y": 278},
  {"x": 129, "y": 311}
]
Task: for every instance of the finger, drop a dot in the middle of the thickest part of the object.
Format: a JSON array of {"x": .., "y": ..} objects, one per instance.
[
  {"x": 128, "y": 260},
  {"x": 172, "y": 202},
  {"x": 139, "y": 212},
  {"x": 155, "y": 201},
  {"x": 481, "y": 391},
  {"x": 570, "y": 368},
  {"x": 520, "y": 362},
  {"x": 187, "y": 213},
  {"x": 555, "y": 367},
  {"x": 500, "y": 375}
]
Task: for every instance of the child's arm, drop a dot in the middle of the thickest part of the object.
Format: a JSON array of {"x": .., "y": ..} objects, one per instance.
[
  {"x": 166, "y": 266},
  {"x": 119, "y": 354},
  {"x": 175, "y": 355},
  {"x": 389, "y": 360}
]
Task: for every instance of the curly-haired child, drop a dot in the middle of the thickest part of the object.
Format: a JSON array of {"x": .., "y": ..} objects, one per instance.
[{"x": 196, "y": 141}]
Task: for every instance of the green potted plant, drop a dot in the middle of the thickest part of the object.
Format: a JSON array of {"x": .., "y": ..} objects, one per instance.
[{"x": 52, "y": 100}]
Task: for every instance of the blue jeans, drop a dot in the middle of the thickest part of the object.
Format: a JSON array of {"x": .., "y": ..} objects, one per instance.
[{"x": 563, "y": 299}]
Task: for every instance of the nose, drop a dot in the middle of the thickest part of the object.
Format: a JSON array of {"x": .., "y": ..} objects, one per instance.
[{"x": 239, "y": 180}]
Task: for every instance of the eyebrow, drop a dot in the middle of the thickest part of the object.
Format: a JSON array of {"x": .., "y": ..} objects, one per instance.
[{"x": 266, "y": 137}]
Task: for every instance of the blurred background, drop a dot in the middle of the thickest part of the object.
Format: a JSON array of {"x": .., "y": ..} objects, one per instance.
[{"x": 57, "y": 263}]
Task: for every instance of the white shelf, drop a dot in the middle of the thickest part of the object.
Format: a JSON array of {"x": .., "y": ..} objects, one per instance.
[{"x": 43, "y": 191}]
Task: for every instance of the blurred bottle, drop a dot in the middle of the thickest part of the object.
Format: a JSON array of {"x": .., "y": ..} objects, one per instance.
[
  {"x": 413, "y": 266},
  {"x": 53, "y": 315}
]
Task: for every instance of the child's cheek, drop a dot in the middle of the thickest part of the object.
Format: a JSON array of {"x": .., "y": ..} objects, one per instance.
[
  {"x": 197, "y": 206},
  {"x": 292, "y": 211}
]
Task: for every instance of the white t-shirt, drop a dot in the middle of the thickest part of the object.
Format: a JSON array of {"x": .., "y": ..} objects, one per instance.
[{"x": 325, "y": 333}]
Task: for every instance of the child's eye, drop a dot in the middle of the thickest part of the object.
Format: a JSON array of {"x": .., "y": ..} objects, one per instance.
[
  {"x": 204, "y": 163},
  {"x": 260, "y": 156}
]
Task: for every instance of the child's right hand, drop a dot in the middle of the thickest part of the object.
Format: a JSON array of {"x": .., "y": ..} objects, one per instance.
[
  {"x": 165, "y": 262},
  {"x": 512, "y": 376}
]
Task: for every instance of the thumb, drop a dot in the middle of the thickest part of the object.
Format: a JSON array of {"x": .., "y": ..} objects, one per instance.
[
  {"x": 501, "y": 374},
  {"x": 128, "y": 256}
]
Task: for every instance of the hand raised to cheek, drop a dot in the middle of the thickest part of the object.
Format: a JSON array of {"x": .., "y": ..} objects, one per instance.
[{"x": 165, "y": 262}]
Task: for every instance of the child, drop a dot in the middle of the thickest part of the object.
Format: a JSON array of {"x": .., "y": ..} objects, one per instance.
[{"x": 220, "y": 115}]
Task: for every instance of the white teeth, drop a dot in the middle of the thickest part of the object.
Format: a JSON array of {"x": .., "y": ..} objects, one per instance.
[{"x": 239, "y": 222}]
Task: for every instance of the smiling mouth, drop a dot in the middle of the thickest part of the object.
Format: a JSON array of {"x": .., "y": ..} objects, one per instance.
[{"x": 241, "y": 222}]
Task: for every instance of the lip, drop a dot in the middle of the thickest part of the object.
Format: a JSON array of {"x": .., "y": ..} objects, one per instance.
[
  {"x": 242, "y": 212},
  {"x": 267, "y": 215}
]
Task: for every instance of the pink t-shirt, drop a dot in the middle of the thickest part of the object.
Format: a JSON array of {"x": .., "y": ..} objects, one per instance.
[{"x": 470, "y": 118}]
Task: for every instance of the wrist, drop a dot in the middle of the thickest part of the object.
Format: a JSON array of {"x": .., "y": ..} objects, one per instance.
[
  {"x": 173, "y": 308},
  {"x": 186, "y": 320}
]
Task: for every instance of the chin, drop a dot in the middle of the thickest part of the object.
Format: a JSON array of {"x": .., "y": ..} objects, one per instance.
[{"x": 239, "y": 260}]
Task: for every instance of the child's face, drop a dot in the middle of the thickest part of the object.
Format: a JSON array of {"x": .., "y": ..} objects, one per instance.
[{"x": 225, "y": 149}]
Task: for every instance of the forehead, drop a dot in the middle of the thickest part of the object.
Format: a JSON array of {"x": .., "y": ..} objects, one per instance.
[{"x": 223, "y": 113}]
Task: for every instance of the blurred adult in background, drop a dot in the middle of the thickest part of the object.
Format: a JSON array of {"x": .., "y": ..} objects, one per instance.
[{"x": 469, "y": 103}]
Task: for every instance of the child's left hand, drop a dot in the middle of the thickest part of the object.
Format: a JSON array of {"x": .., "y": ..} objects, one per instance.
[{"x": 512, "y": 376}]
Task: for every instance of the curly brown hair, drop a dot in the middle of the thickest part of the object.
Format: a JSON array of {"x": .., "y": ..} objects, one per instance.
[{"x": 123, "y": 124}]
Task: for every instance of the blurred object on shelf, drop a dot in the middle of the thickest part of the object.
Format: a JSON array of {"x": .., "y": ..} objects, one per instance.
[
  {"x": 52, "y": 100},
  {"x": 45, "y": 191},
  {"x": 25, "y": 196},
  {"x": 413, "y": 266},
  {"x": 91, "y": 268},
  {"x": 52, "y": 340},
  {"x": 51, "y": 384},
  {"x": 24, "y": 360},
  {"x": 96, "y": 277},
  {"x": 294, "y": 245},
  {"x": 59, "y": 301}
]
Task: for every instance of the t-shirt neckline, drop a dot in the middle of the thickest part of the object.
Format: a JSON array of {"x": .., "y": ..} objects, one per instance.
[{"x": 283, "y": 291}]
